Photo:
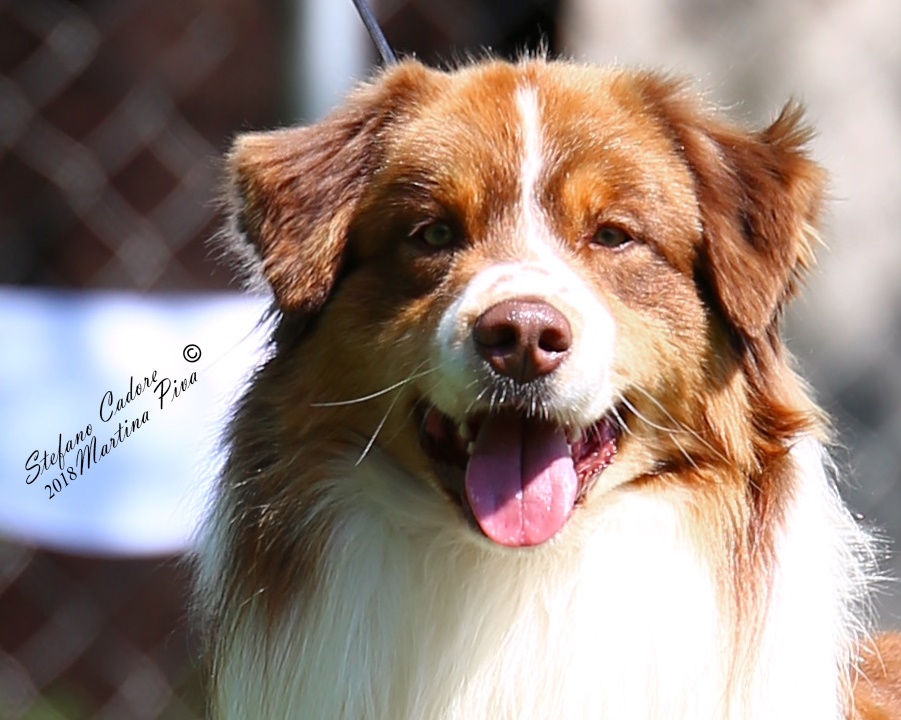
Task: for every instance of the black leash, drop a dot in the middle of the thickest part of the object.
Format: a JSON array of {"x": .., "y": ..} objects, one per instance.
[{"x": 375, "y": 32}]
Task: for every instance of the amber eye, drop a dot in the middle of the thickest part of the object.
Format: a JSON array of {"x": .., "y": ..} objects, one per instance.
[
  {"x": 438, "y": 234},
  {"x": 610, "y": 236}
]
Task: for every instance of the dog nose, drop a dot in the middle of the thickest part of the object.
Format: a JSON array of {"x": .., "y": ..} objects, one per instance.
[{"x": 522, "y": 339}]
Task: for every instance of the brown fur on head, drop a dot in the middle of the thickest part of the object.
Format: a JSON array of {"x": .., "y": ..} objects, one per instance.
[
  {"x": 295, "y": 192},
  {"x": 746, "y": 221},
  {"x": 730, "y": 211}
]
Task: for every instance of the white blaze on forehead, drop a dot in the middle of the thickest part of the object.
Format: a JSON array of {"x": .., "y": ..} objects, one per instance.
[
  {"x": 534, "y": 238},
  {"x": 580, "y": 388},
  {"x": 532, "y": 160}
]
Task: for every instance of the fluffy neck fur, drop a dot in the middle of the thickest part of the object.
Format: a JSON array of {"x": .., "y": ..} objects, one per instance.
[{"x": 621, "y": 618}]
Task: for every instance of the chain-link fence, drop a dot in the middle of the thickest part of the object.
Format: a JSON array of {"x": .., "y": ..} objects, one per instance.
[
  {"x": 87, "y": 638},
  {"x": 113, "y": 114}
]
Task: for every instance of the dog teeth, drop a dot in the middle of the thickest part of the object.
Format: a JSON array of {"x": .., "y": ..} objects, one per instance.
[
  {"x": 463, "y": 431},
  {"x": 573, "y": 434},
  {"x": 470, "y": 447}
]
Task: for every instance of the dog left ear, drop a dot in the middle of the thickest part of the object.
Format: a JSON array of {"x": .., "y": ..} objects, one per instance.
[
  {"x": 294, "y": 192},
  {"x": 760, "y": 199}
]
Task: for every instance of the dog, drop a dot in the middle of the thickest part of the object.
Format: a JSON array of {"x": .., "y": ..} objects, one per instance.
[{"x": 528, "y": 443}]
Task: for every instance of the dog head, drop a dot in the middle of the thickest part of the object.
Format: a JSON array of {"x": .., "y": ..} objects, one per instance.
[{"x": 527, "y": 283}]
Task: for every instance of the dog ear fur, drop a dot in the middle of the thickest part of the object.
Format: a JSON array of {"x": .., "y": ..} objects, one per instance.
[
  {"x": 759, "y": 236},
  {"x": 293, "y": 192},
  {"x": 760, "y": 198}
]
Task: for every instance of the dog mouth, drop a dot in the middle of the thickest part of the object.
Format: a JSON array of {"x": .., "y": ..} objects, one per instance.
[{"x": 518, "y": 477}]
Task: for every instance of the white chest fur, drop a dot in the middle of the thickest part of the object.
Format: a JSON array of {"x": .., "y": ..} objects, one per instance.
[{"x": 617, "y": 618}]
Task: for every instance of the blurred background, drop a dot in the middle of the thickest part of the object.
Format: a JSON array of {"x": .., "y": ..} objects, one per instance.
[{"x": 113, "y": 117}]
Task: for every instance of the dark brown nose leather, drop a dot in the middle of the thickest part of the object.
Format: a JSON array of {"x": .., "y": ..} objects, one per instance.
[{"x": 522, "y": 339}]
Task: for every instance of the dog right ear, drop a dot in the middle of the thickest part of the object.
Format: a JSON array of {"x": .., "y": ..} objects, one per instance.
[{"x": 293, "y": 192}]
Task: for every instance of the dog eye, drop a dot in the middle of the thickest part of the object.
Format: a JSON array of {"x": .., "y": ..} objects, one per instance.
[
  {"x": 610, "y": 236},
  {"x": 437, "y": 235}
]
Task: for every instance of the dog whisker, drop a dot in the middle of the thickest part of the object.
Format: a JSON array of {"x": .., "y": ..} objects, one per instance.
[
  {"x": 679, "y": 426},
  {"x": 478, "y": 398},
  {"x": 397, "y": 386},
  {"x": 378, "y": 429},
  {"x": 415, "y": 375},
  {"x": 671, "y": 432},
  {"x": 614, "y": 411}
]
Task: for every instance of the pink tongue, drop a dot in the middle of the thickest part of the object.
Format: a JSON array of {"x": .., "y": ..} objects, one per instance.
[{"x": 520, "y": 480}]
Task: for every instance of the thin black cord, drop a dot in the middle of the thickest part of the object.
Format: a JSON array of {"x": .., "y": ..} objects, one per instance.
[{"x": 375, "y": 32}]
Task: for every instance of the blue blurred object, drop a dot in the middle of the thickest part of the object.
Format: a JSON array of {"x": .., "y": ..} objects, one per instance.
[{"x": 67, "y": 359}]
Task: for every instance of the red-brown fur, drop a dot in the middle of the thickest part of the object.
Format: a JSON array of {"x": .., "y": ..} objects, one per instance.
[
  {"x": 726, "y": 221},
  {"x": 877, "y": 682}
]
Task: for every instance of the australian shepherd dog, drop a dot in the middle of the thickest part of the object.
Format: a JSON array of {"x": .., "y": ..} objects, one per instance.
[{"x": 528, "y": 444}]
